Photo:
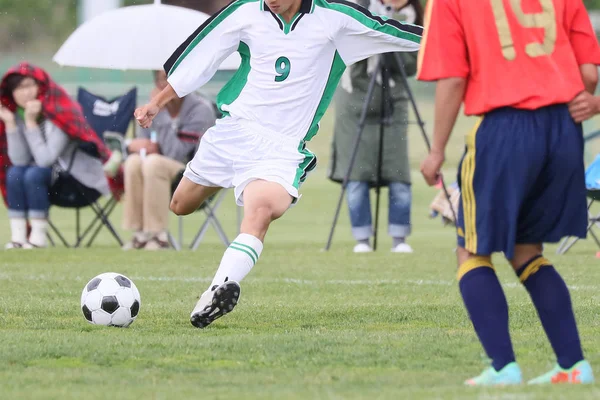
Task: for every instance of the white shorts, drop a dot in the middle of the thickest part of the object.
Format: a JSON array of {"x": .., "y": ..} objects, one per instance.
[{"x": 233, "y": 153}]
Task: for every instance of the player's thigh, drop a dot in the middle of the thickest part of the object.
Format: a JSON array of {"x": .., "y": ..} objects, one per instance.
[
  {"x": 555, "y": 205},
  {"x": 190, "y": 195},
  {"x": 267, "y": 198}
]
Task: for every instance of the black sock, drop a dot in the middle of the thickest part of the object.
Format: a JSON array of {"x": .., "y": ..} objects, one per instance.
[
  {"x": 552, "y": 301},
  {"x": 485, "y": 301}
]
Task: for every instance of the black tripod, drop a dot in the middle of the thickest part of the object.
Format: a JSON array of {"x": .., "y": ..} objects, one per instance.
[{"x": 387, "y": 108}]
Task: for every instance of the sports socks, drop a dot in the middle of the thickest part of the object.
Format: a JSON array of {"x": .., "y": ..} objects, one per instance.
[
  {"x": 552, "y": 301},
  {"x": 238, "y": 260},
  {"x": 487, "y": 307}
]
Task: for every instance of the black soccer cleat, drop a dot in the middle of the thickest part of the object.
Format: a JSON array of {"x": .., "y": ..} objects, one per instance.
[{"x": 215, "y": 303}]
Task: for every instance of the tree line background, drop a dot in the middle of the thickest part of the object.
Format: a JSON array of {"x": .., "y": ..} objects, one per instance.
[{"x": 42, "y": 25}]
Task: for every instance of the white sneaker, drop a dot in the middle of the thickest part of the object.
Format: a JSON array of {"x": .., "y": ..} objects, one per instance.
[
  {"x": 402, "y": 248},
  {"x": 215, "y": 303},
  {"x": 362, "y": 248}
]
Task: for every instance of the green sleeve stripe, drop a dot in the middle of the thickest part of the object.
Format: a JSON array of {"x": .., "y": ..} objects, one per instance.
[
  {"x": 232, "y": 89},
  {"x": 186, "y": 47},
  {"x": 378, "y": 23},
  {"x": 335, "y": 73},
  {"x": 247, "y": 247},
  {"x": 233, "y": 247}
]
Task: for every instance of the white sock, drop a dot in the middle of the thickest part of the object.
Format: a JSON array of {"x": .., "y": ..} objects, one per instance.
[
  {"x": 238, "y": 260},
  {"x": 18, "y": 229},
  {"x": 38, "y": 232}
]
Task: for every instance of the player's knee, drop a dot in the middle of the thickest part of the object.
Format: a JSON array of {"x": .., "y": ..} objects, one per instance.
[
  {"x": 524, "y": 253},
  {"x": 180, "y": 208},
  {"x": 462, "y": 255},
  {"x": 261, "y": 216}
]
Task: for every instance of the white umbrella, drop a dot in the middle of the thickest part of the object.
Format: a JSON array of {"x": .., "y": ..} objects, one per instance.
[{"x": 136, "y": 37}]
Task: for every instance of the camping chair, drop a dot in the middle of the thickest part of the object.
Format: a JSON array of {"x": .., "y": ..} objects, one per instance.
[
  {"x": 209, "y": 208},
  {"x": 63, "y": 195},
  {"x": 592, "y": 183},
  {"x": 110, "y": 120}
]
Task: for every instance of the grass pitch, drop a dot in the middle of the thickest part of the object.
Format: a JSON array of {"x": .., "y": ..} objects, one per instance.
[{"x": 310, "y": 324}]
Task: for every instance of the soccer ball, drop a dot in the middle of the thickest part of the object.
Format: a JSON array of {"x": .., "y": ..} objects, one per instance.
[{"x": 110, "y": 299}]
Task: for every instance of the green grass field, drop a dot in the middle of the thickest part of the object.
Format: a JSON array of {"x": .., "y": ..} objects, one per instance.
[{"x": 310, "y": 324}]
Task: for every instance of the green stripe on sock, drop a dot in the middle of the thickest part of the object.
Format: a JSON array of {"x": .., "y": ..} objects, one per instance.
[
  {"x": 247, "y": 247},
  {"x": 231, "y": 246}
]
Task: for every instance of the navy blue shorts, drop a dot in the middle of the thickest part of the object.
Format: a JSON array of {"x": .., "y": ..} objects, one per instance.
[{"x": 522, "y": 181}]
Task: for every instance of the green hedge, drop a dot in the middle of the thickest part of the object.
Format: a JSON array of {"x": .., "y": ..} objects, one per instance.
[
  {"x": 34, "y": 25},
  {"x": 591, "y": 4}
]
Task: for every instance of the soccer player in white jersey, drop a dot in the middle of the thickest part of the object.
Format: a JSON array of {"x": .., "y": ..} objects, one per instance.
[{"x": 293, "y": 54}]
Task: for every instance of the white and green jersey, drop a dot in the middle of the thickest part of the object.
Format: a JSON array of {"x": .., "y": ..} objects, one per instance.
[{"x": 289, "y": 71}]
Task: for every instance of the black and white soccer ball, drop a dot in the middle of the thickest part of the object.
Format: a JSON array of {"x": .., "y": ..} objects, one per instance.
[{"x": 110, "y": 299}]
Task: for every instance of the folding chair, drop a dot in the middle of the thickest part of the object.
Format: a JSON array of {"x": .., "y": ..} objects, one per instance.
[
  {"x": 592, "y": 183},
  {"x": 209, "y": 208},
  {"x": 81, "y": 198},
  {"x": 109, "y": 119}
]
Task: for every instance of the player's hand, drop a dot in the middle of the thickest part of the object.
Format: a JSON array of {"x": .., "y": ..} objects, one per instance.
[
  {"x": 431, "y": 166},
  {"x": 584, "y": 106},
  {"x": 144, "y": 115}
]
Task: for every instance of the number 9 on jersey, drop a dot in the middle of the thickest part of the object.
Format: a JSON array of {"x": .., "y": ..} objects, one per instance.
[{"x": 282, "y": 67}]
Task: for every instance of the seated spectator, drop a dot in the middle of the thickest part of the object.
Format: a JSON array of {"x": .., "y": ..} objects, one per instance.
[
  {"x": 156, "y": 157},
  {"x": 41, "y": 132}
]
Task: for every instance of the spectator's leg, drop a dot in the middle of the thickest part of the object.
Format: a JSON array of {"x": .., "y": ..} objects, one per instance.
[
  {"x": 400, "y": 199},
  {"x": 359, "y": 206},
  {"x": 159, "y": 172},
  {"x": 17, "y": 203},
  {"x": 37, "y": 187},
  {"x": 133, "y": 201}
]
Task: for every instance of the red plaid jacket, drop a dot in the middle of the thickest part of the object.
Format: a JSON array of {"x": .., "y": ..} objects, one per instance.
[{"x": 62, "y": 111}]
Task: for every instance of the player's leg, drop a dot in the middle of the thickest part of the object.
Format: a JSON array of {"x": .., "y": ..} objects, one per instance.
[
  {"x": 552, "y": 300},
  {"x": 485, "y": 201},
  {"x": 487, "y": 307},
  {"x": 189, "y": 196},
  {"x": 555, "y": 207},
  {"x": 266, "y": 187},
  {"x": 208, "y": 172},
  {"x": 264, "y": 202}
]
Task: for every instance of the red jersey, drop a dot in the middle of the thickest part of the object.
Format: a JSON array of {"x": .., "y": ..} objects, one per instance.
[{"x": 524, "y": 54}]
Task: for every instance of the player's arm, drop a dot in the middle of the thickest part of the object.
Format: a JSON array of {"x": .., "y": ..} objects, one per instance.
[
  {"x": 587, "y": 52},
  {"x": 196, "y": 60},
  {"x": 589, "y": 74},
  {"x": 358, "y": 34},
  {"x": 443, "y": 58},
  {"x": 449, "y": 93}
]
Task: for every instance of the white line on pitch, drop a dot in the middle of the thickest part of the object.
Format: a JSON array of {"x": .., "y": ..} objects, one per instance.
[{"x": 292, "y": 281}]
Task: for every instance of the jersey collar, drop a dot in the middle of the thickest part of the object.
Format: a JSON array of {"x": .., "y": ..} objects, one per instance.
[{"x": 307, "y": 6}]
